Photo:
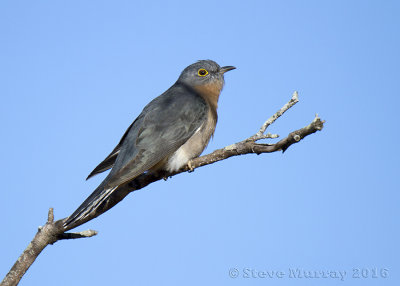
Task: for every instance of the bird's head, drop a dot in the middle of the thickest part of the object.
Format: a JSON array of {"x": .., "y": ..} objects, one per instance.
[{"x": 205, "y": 73}]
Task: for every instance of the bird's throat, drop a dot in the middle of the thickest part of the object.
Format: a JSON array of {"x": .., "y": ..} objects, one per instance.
[{"x": 210, "y": 93}]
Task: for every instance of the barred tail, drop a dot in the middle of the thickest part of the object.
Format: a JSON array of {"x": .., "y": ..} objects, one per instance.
[{"x": 89, "y": 205}]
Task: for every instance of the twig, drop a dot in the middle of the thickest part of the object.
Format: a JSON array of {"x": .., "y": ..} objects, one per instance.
[
  {"x": 259, "y": 135},
  {"x": 54, "y": 231},
  {"x": 47, "y": 234},
  {"x": 246, "y": 146}
]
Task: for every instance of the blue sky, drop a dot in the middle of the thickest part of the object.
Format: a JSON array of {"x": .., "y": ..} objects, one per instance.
[{"x": 75, "y": 74}]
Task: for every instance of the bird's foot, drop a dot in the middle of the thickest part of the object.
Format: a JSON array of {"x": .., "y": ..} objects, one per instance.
[{"x": 191, "y": 168}]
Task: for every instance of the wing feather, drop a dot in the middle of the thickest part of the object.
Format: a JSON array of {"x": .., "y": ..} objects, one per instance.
[
  {"x": 109, "y": 161},
  {"x": 164, "y": 125}
]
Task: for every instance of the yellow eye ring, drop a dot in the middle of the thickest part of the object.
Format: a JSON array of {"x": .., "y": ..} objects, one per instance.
[{"x": 202, "y": 72}]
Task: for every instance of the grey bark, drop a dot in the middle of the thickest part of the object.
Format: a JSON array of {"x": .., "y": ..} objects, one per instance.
[{"x": 54, "y": 231}]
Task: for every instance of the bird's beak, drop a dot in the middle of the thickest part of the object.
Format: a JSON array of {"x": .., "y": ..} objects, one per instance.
[{"x": 226, "y": 69}]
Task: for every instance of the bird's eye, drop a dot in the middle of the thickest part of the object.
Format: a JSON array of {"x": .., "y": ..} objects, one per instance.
[{"x": 202, "y": 72}]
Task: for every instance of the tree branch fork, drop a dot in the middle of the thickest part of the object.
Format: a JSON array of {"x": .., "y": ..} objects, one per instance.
[{"x": 54, "y": 231}]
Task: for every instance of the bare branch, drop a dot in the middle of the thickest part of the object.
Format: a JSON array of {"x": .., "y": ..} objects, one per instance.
[
  {"x": 54, "y": 231},
  {"x": 47, "y": 234},
  {"x": 50, "y": 216},
  {"x": 273, "y": 118},
  {"x": 241, "y": 148}
]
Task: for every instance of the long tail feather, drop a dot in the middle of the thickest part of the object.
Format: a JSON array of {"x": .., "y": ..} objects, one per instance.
[{"x": 90, "y": 204}]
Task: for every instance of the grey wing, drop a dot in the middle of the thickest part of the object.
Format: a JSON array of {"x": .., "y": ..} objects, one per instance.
[
  {"x": 109, "y": 161},
  {"x": 165, "y": 124}
]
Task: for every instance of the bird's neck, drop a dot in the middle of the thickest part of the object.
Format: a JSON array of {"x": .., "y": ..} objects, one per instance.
[{"x": 210, "y": 93}]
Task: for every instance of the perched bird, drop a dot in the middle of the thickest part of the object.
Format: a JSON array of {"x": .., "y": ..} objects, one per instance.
[{"x": 172, "y": 129}]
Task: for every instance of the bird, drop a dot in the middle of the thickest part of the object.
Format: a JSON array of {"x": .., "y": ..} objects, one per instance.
[{"x": 172, "y": 129}]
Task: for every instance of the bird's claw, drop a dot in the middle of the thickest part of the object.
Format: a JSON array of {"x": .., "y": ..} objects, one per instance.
[{"x": 191, "y": 168}]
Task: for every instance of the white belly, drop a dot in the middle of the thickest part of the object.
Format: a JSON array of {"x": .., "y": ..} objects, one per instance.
[
  {"x": 179, "y": 159},
  {"x": 193, "y": 147}
]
